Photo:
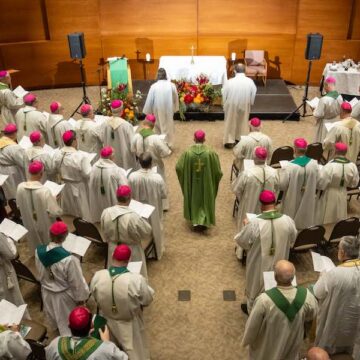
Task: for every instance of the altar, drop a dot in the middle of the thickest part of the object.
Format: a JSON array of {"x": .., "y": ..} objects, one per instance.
[{"x": 188, "y": 68}]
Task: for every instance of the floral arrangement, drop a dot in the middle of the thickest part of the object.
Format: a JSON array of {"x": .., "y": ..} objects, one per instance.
[
  {"x": 195, "y": 96},
  {"x": 130, "y": 108}
]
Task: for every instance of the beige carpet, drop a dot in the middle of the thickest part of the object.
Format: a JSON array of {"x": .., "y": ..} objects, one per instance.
[{"x": 207, "y": 327}]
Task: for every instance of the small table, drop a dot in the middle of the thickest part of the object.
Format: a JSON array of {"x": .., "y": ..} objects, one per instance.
[
  {"x": 347, "y": 82},
  {"x": 181, "y": 68}
]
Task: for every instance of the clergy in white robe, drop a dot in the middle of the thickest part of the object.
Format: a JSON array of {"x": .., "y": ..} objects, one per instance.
[
  {"x": 355, "y": 112},
  {"x": 9, "y": 286},
  {"x": 105, "y": 178},
  {"x": 29, "y": 119},
  {"x": 328, "y": 109},
  {"x": 338, "y": 292},
  {"x": 121, "y": 296},
  {"x": 9, "y": 102},
  {"x": 63, "y": 285},
  {"x": 38, "y": 207},
  {"x": 247, "y": 144},
  {"x": 335, "y": 177},
  {"x": 82, "y": 339},
  {"x": 149, "y": 187},
  {"x": 163, "y": 101},
  {"x": 12, "y": 345},
  {"x": 238, "y": 95},
  {"x": 122, "y": 225},
  {"x": 274, "y": 330},
  {"x": 12, "y": 158},
  {"x": 298, "y": 181},
  {"x": 56, "y": 125},
  {"x": 73, "y": 168},
  {"x": 87, "y": 131},
  {"x": 266, "y": 239},
  {"x": 347, "y": 130},
  {"x": 119, "y": 133}
]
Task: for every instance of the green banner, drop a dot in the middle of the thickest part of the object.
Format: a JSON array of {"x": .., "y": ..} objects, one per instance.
[{"x": 118, "y": 72}]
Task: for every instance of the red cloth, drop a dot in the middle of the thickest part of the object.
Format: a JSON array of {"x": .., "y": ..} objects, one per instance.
[
  {"x": 122, "y": 253},
  {"x": 151, "y": 118},
  {"x": 79, "y": 318},
  {"x": 199, "y": 135},
  {"x": 261, "y": 153},
  {"x": 255, "y": 122},
  {"x": 330, "y": 80},
  {"x": 35, "y": 136},
  {"x": 123, "y": 191},
  {"x": 68, "y": 135},
  {"x": 346, "y": 106},
  {"x": 35, "y": 167},
  {"x": 115, "y": 104},
  {"x": 267, "y": 197},
  {"x": 106, "y": 152},
  {"x": 10, "y": 129},
  {"x": 300, "y": 143},
  {"x": 85, "y": 109},
  {"x": 54, "y": 106},
  {"x": 3, "y": 73},
  {"x": 58, "y": 228},
  {"x": 29, "y": 98},
  {"x": 341, "y": 147}
]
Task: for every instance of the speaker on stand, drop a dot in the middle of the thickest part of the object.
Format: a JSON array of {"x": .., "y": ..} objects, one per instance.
[
  {"x": 312, "y": 52},
  {"x": 78, "y": 52}
]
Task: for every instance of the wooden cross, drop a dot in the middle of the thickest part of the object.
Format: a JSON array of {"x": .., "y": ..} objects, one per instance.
[{"x": 199, "y": 165}]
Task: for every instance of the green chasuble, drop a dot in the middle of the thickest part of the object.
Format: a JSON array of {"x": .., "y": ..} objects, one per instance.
[
  {"x": 83, "y": 349},
  {"x": 333, "y": 94},
  {"x": 301, "y": 161},
  {"x": 52, "y": 256},
  {"x": 3, "y": 86},
  {"x": 199, "y": 174}
]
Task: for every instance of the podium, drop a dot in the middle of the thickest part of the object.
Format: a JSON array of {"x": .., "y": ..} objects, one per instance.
[{"x": 119, "y": 72}]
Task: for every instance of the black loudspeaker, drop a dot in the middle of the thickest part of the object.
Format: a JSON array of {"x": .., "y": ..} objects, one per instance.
[
  {"x": 313, "y": 46},
  {"x": 77, "y": 45}
]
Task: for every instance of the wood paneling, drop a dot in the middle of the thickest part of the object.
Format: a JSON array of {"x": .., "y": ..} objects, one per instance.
[{"x": 355, "y": 31}]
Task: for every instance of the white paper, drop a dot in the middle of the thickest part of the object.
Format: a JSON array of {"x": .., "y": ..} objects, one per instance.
[
  {"x": 162, "y": 136},
  {"x": 144, "y": 210},
  {"x": 99, "y": 119},
  {"x": 284, "y": 163},
  {"x": 90, "y": 156},
  {"x": 329, "y": 125},
  {"x": 54, "y": 187},
  {"x": 25, "y": 143},
  {"x": 11, "y": 314},
  {"x": 270, "y": 282},
  {"x": 248, "y": 164},
  {"x": 72, "y": 122},
  {"x": 250, "y": 216},
  {"x": 3, "y": 178},
  {"x": 76, "y": 244},
  {"x": 354, "y": 101},
  {"x": 20, "y": 92},
  {"x": 47, "y": 115},
  {"x": 313, "y": 103},
  {"x": 321, "y": 263},
  {"x": 12, "y": 229},
  {"x": 134, "y": 266}
]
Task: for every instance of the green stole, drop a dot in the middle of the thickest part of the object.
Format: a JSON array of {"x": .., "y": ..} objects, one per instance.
[
  {"x": 283, "y": 304},
  {"x": 81, "y": 351},
  {"x": 52, "y": 256},
  {"x": 3, "y": 86},
  {"x": 115, "y": 272},
  {"x": 146, "y": 132},
  {"x": 333, "y": 94},
  {"x": 271, "y": 215},
  {"x": 302, "y": 161},
  {"x": 343, "y": 161}
]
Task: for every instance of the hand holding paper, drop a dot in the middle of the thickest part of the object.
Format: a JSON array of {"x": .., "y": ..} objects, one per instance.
[{"x": 12, "y": 230}]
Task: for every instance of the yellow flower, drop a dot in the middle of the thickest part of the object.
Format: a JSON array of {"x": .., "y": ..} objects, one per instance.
[{"x": 127, "y": 110}]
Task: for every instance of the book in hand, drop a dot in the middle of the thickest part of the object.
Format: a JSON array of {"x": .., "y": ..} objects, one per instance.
[
  {"x": 20, "y": 92},
  {"x": 270, "y": 282},
  {"x": 250, "y": 216},
  {"x": 76, "y": 244},
  {"x": 3, "y": 178},
  {"x": 143, "y": 210},
  {"x": 313, "y": 103},
  {"x": 12, "y": 230},
  {"x": 25, "y": 143},
  {"x": 54, "y": 187},
  {"x": 354, "y": 101},
  {"x": 11, "y": 314},
  {"x": 321, "y": 263},
  {"x": 134, "y": 266},
  {"x": 99, "y": 323}
]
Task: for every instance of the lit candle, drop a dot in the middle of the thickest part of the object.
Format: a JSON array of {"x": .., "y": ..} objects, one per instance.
[
  {"x": 233, "y": 56},
  {"x": 148, "y": 57}
]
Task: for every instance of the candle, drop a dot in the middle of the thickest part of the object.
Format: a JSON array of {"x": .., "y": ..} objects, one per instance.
[
  {"x": 148, "y": 57},
  {"x": 233, "y": 56}
]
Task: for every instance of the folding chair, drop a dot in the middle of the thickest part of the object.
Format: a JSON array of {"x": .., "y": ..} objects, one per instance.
[
  {"x": 234, "y": 171},
  {"x": 281, "y": 153},
  {"x": 310, "y": 238},
  {"x": 354, "y": 192},
  {"x": 347, "y": 227},
  {"x": 315, "y": 151},
  {"x": 38, "y": 350},
  {"x": 14, "y": 213},
  {"x": 235, "y": 207},
  {"x": 89, "y": 231}
]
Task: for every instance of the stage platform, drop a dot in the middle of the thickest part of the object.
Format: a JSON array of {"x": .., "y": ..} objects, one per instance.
[{"x": 272, "y": 102}]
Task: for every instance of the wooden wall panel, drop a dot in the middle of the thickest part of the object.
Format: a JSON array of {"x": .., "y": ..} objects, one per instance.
[{"x": 355, "y": 33}]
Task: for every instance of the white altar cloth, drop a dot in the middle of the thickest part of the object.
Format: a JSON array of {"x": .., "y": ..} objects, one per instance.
[{"x": 180, "y": 67}]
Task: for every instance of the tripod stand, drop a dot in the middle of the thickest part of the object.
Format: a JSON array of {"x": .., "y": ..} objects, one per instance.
[
  {"x": 305, "y": 97},
  {"x": 85, "y": 99}
]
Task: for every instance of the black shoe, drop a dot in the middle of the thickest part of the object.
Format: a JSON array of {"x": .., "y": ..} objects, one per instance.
[
  {"x": 229, "y": 146},
  {"x": 199, "y": 228},
  {"x": 244, "y": 309}
]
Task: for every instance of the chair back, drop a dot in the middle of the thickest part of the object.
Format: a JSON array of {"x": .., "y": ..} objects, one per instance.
[
  {"x": 315, "y": 151},
  {"x": 309, "y": 238},
  {"x": 38, "y": 350},
  {"x": 15, "y": 214},
  {"x": 87, "y": 230},
  {"x": 254, "y": 57},
  {"x": 282, "y": 153},
  {"x": 347, "y": 227},
  {"x": 23, "y": 272}
]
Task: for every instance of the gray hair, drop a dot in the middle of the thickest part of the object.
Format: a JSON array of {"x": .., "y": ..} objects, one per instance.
[
  {"x": 239, "y": 68},
  {"x": 161, "y": 74},
  {"x": 350, "y": 245}
]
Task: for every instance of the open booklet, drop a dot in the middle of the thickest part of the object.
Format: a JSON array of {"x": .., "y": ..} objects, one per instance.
[
  {"x": 76, "y": 244},
  {"x": 54, "y": 187},
  {"x": 134, "y": 266},
  {"x": 11, "y": 314},
  {"x": 270, "y": 282},
  {"x": 313, "y": 103},
  {"x": 144, "y": 210},
  {"x": 3, "y": 178},
  {"x": 12, "y": 230},
  {"x": 321, "y": 263},
  {"x": 20, "y": 92}
]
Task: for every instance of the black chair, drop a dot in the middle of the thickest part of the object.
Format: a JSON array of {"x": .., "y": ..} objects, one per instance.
[
  {"x": 281, "y": 153},
  {"x": 234, "y": 171},
  {"x": 89, "y": 231},
  {"x": 310, "y": 238},
  {"x": 235, "y": 207},
  {"x": 38, "y": 350},
  {"x": 354, "y": 192},
  {"x": 24, "y": 273},
  {"x": 347, "y": 227},
  {"x": 149, "y": 249},
  {"x": 315, "y": 151},
  {"x": 14, "y": 213}
]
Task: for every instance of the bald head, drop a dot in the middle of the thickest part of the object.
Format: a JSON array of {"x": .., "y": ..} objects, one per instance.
[
  {"x": 316, "y": 353},
  {"x": 284, "y": 272},
  {"x": 239, "y": 68}
]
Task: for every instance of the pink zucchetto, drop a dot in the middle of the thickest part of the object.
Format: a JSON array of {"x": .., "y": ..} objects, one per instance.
[
  {"x": 341, "y": 147},
  {"x": 122, "y": 253},
  {"x": 330, "y": 80},
  {"x": 123, "y": 191},
  {"x": 68, "y": 135},
  {"x": 79, "y": 318},
  {"x": 55, "y": 106},
  {"x": 106, "y": 151},
  {"x": 151, "y": 118},
  {"x": 85, "y": 109},
  {"x": 255, "y": 122},
  {"x": 267, "y": 197},
  {"x": 35, "y": 167},
  {"x": 10, "y": 128},
  {"x": 35, "y": 136},
  {"x": 58, "y": 228},
  {"x": 300, "y": 143},
  {"x": 261, "y": 153},
  {"x": 199, "y": 135},
  {"x": 116, "y": 104},
  {"x": 29, "y": 99},
  {"x": 3, "y": 73},
  {"x": 346, "y": 106}
]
